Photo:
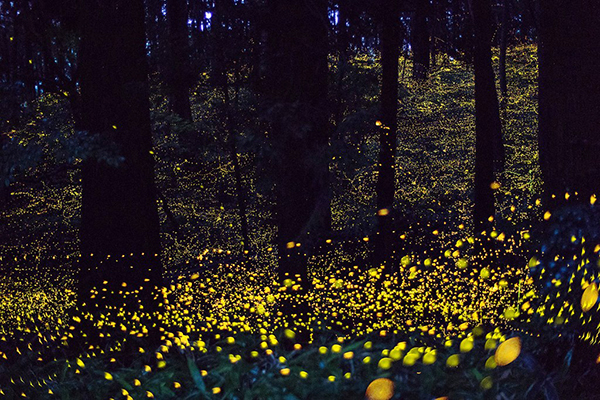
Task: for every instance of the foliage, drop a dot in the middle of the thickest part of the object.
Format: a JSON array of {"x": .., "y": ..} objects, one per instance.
[
  {"x": 567, "y": 270},
  {"x": 445, "y": 302}
]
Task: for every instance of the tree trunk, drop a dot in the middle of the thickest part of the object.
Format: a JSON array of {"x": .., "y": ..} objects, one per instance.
[
  {"x": 488, "y": 132},
  {"x": 179, "y": 63},
  {"x": 226, "y": 110},
  {"x": 297, "y": 50},
  {"x": 420, "y": 40},
  {"x": 342, "y": 47},
  {"x": 569, "y": 97},
  {"x": 503, "y": 44},
  {"x": 386, "y": 180},
  {"x": 434, "y": 28},
  {"x": 120, "y": 227}
]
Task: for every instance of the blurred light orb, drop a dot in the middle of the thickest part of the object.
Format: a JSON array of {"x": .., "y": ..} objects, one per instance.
[{"x": 380, "y": 389}]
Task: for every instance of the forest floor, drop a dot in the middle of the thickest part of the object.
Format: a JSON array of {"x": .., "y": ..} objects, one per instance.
[{"x": 447, "y": 323}]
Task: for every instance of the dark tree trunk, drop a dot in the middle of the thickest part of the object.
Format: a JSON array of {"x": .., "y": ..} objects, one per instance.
[
  {"x": 386, "y": 180},
  {"x": 297, "y": 50},
  {"x": 120, "y": 227},
  {"x": 502, "y": 46},
  {"x": 28, "y": 71},
  {"x": 226, "y": 112},
  {"x": 421, "y": 40},
  {"x": 434, "y": 28},
  {"x": 342, "y": 48},
  {"x": 488, "y": 132},
  {"x": 179, "y": 63},
  {"x": 569, "y": 97}
]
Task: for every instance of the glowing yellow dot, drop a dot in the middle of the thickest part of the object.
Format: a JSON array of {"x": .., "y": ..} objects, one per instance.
[
  {"x": 490, "y": 363},
  {"x": 466, "y": 345},
  {"x": 409, "y": 360},
  {"x": 385, "y": 363},
  {"x": 453, "y": 361},
  {"x": 508, "y": 351},
  {"x": 486, "y": 383},
  {"x": 380, "y": 389},
  {"x": 290, "y": 334},
  {"x": 429, "y": 358},
  {"x": 589, "y": 297},
  {"x": 490, "y": 344}
]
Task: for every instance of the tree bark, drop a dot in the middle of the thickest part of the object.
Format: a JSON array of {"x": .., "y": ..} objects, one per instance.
[
  {"x": 421, "y": 40},
  {"x": 120, "y": 226},
  {"x": 226, "y": 110},
  {"x": 297, "y": 50},
  {"x": 502, "y": 47},
  {"x": 569, "y": 97},
  {"x": 489, "y": 154},
  {"x": 342, "y": 48},
  {"x": 386, "y": 179},
  {"x": 433, "y": 29},
  {"x": 179, "y": 63}
]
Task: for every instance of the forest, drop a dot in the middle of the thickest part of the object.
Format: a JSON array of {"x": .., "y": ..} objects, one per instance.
[{"x": 299, "y": 199}]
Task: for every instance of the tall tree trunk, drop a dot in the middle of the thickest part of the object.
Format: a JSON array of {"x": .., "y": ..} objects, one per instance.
[
  {"x": 226, "y": 111},
  {"x": 298, "y": 50},
  {"x": 342, "y": 47},
  {"x": 386, "y": 179},
  {"x": 488, "y": 132},
  {"x": 434, "y": 28},
  {"x": 179, "y": 63},
  {"x": 503, "y": 44},
  {"x": 421, "y": 40},
  {"x": 120, "y": 227},
  {"x": 569, "y": 97},
  {"x": 28, "y": 71}
]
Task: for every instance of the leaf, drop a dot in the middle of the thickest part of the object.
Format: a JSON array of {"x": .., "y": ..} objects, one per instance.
[
  {"x": 550, "y": 392},
  {"x": 124, "y": 383},
  {"x": 196, "y": 376}
]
